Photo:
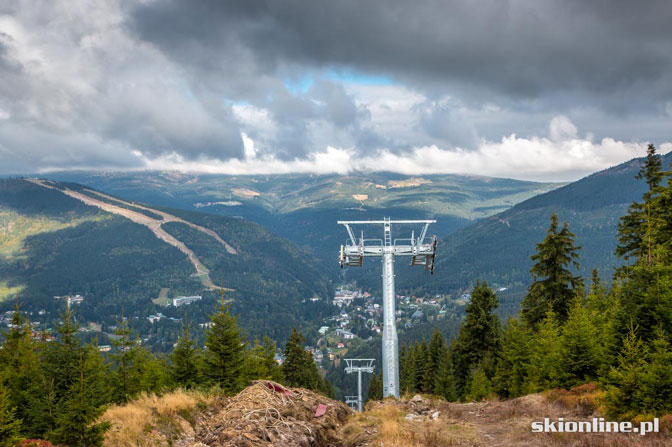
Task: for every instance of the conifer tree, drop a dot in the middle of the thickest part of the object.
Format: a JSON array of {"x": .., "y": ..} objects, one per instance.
[
  {"x": 444, "y": 384},
  {"x": 296, "y": 368},
  {"x": 635, "y": 228},
  {"x": 421, "y": 356},
  {"x": 407, "y": 369},
  {"x": 553, "y": 282},
  {"x": 133, "y": 365},
  {"x": 375, "y": 391},
  {"x": 645, "y": 237},
  {"x": 479, "y": 385},
  {"x": 185, "y": 368},
  {"x": 625, "y": 395},
  {"x": 225, "y": 357},
  {"x": 77, "y": 420},
  {"x": 437, "y": 351},
  {"x": 10, "y": 426},
  {"x": 511, "y": 375},
  {"x": 61, "y": 358},
  {"x": 478, "y": 340},
  {"x": 657, "y": 380},
  {"x": 581, "y": 356},
  {"x": 299, "y": 369},
  {"x": 21, "y": 373},
  {"x": 545, "y": 355},
  {"x": 262, "y": 364}
]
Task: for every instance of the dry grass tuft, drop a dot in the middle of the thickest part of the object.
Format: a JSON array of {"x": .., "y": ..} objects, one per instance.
[
  {"x": 139, "y": 423},
  {"x": 585, "y": 399},
  {"x": 390, "y": 427}
]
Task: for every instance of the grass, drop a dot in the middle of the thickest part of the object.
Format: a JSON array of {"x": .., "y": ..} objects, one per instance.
[
  {"x": 150, "y": 419},
  {"x": 162, "y": 299},
  {"x": 15, "y": 228},
  {"x": 585, "y": 399},
  {"x": 7, "y": 291},
  {"x": 389, "y": 427}
]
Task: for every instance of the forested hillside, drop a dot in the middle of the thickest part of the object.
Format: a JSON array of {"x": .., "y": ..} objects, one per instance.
[
  {"x": 305, "y": 208},
  {"x": 498, "y": 248},
  {"x": 55, "y": 245}
]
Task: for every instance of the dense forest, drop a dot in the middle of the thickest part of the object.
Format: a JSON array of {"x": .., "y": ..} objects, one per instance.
[
  {"x": 497, "y": 249},
  {"x": 56, "y": 388},
  {"x": 615, "y": 337}
]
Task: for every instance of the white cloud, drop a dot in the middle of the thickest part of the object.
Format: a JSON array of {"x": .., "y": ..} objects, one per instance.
[
  {"x": 561, "y": 128},
  {"x": 539, "y": 159}
]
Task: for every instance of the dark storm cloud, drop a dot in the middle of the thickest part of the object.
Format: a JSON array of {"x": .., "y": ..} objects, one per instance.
[
  {"x": 514, "y": 48},
  {"x": 315, "y": 85}
]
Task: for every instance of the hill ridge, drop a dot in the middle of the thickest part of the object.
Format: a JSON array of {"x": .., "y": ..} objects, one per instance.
[{"x": 154, "y": 225}]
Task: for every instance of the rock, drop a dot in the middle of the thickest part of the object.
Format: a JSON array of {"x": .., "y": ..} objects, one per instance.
[
  {"x": 417, "y": 398},
  {"x": 410, "y": 417},
  {"x": 436, "y": 415}
]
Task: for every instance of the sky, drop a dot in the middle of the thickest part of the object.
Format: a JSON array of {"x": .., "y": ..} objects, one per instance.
[{"x": 535, "y": 90}]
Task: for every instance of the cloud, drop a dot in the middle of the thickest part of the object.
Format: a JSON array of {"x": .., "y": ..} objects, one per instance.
[
  {"x": 513, "y": 48},
  {"x": 134, "y": 84},
  {"x": 562, "y": 128},
  {"x": 538, "y": 159}
]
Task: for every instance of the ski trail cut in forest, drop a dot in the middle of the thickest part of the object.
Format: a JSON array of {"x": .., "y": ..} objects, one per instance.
[
  {"x": 154, "y": 225},
  {"x": 170, "y": 218}
]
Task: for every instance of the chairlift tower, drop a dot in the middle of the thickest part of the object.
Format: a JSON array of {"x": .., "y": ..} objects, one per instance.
[
  {"x": 359, "y": 366},
  {"x": 352, "y": 402},
  {"x": 421, "y": 250}
]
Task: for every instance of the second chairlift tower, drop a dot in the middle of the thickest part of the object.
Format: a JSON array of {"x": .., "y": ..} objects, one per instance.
[{"x": 422, "y": 251}]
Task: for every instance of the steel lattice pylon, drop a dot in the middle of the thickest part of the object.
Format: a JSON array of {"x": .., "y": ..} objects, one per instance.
[{"x": 422, "y": 252}]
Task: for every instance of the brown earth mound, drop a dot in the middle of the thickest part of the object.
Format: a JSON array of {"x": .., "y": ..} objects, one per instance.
[{"x": 267, "y": 414}]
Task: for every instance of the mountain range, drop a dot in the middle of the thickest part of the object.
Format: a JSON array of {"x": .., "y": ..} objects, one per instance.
[
  {"x": 132, "y": 241},
  {"x": 497, "y": 249}
]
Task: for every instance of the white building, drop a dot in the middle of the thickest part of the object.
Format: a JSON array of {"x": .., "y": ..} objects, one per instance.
[
  {"x": 342, "y": 333},
  {"x": 184, "y": 300}
]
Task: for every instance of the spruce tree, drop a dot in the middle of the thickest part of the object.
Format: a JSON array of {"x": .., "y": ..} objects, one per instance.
[
  {"x": 375, "y": 391},
  {"x": 635, "y": 228},
  {"x": 625, "y": 393},
  {"x": 262, "y": 364},
  {"x": 185, "y": 360},
  {"x": 421, "y": 356},
  {"x": 77, "y": 420},
  {"x": 22, "y": 375},
  {"x": 479, "y": 385},
  {"x": 657, "y": 380},
  {"x": 553, "y": 282},
  {"x": 645, "y": 242},
  {"x": 300, "y": 370},
  {"x": 407, "y": 369},
  {"x": 438, "y": 350},
  {"x": 10, "y": 426},
  {"x": 61, "y": 358},
  {"x": 545, "y": 369},
  {"x": 444, "y": 385},
  {"x": 512, "y": 369},
  {"x": 478, "y": 341},
  {"x": 133, "y": 365},
  {"x": 225, "y": 358},
  {"x": 581, "y": 356},
  {"x": 296, "y": 365}
]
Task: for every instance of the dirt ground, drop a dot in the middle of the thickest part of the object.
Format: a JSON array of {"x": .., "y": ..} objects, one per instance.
[
  {"x": 270, "y": 415},
  {"x": 426, "y": 422}
]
